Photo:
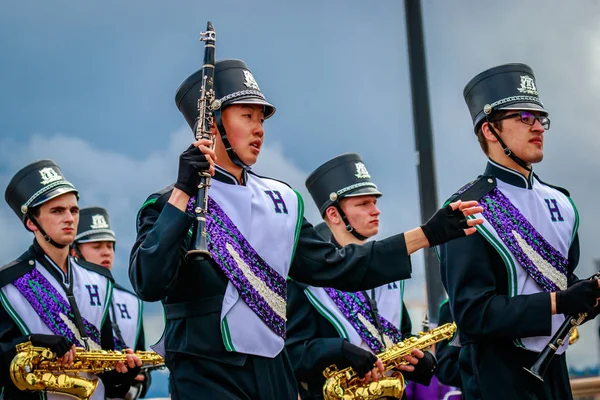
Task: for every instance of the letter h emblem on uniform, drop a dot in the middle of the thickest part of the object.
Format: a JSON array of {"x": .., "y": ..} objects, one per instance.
[
  {"x": 94, "y": 295},
  {"x": 123, "y": 309},
  {"x": 278, "y": 202},
  {"x": 554, "y": 210}
]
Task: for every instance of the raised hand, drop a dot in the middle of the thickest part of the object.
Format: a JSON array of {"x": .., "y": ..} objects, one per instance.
[{"x": 451, "y": 222}]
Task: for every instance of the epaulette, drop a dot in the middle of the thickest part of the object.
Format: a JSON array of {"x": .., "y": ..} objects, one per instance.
[
  {"x": 159, "y": 198},
  {"x": 15, "y": 269},
  {"x": 117, "y": 286},
  {"x": 560, "y": 189},
  {"x": 95, "y": 268},
  {"x": 475, "y": 190}
]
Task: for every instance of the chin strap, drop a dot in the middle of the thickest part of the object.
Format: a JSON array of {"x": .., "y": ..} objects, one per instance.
[
  {"x": 230, "y": 152},
  {"x": 508, "y": 151},
  {"x": 43, "y": 232},
  {"x": 349, "y": 227},
  {"x": 77, "y": 252}
]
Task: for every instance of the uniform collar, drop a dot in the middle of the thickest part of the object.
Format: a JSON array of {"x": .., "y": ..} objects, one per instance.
[
  {"x": 40, "y": 255},
  {"x": 508, "y": 175},
  {"x": 222, "y": 175}
]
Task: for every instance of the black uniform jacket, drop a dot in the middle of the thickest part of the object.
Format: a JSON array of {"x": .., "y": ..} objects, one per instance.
[
  {"x": 192, "y": 291},
  {"x": 446, "y": 354},
  {"x": 488, "y": 319},
  {"x": 11, "y": 335}
]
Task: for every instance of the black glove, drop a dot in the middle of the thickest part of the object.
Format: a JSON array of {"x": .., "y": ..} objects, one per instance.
[
  {"x": 360, "y": 360},
  {"x": 579, "y": 298},
  {"x": 117, "y": 384},
  {"x": 191, "y": 163},
  {"x": 446, "y": 224},
  {"x": 424, "y": 370},
  {"x": 57, "y": 344}
]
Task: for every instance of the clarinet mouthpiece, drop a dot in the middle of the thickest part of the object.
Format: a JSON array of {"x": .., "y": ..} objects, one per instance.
[{"x": 209, "y": 26}]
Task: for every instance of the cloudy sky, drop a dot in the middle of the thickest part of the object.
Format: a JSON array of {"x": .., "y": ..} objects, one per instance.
[{"x": 92, "y": 85}]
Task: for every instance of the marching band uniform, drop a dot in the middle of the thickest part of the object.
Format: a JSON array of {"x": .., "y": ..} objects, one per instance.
[
  {"x": 37, "y": 297},
  {"x": 225, "y": 317},
  {"x": 499, "y": 278},
  {"x": 322, "y": 319},
  {"x": 126, "y": 309}
]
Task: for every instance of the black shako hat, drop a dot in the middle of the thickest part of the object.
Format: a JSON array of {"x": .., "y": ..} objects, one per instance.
[
  {"x": 233, "y": 84},
  {"x": 343, "y": 176},
  {"x": 35, "y": 184},
  {"x": 505, "y": 87},
  {"x": 94, "y": 226}
]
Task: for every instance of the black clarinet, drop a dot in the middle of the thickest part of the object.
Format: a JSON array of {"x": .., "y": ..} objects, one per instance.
[
  {"x": 538, "y": 369},
  {"x": 206, "y": 105}
]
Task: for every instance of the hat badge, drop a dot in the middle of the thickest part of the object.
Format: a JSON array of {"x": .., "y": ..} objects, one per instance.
[
  {"x": 49, "y": 175},
  {"x": 99, "y": 222},
  {"x": 333, "y": 196},
  {"x": 527, "y": 85},
  {"x": 250, "y": 81},
  {"x": 361, "y": 171}
]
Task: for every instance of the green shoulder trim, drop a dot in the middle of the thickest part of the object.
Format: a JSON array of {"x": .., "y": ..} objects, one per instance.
[
  {"x": 299, "y": 220},
  {"x": 226, "y": 335},
  {"x": 339, "y": 327},
  {"x": 14, "y": 315},
  {"x": 576, "y": 224},
  {"x": 146, "y": 204},
  {"x": 107, "y": 300}
]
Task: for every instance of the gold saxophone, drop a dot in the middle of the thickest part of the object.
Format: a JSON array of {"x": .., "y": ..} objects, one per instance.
[
  {"x": 37, "y": 368},
  {"x": 345, "y": 384}
]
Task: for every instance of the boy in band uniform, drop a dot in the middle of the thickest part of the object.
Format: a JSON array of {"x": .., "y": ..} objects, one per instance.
[
  {"x": 226, "y": 315},
  {"x": 327, "y": 326},
  {"x": 49, "y": 298},
  {"x": 512, "y": 284},
  {"x": 95, "y": 242}
]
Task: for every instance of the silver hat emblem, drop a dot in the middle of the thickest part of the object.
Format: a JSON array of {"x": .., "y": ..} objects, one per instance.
[
  {"x": 49, "y": 175},
  {"x": 98, "y": 222},
  {"x": 361, "y": 171},
  {"x": 527, "y": 85},
  {"x": 250, "y": 81}
]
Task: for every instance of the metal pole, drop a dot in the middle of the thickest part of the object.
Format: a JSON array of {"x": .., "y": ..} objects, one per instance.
[{"x": 424, "y": 146}]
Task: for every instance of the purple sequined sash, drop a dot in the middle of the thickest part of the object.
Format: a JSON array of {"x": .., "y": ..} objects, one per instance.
[
  {"x": 261, "y": 287},
  {"x": 546, "y": 265},
  {"x": 50, "y": 305},
  {"x": 354, "y": 306}
]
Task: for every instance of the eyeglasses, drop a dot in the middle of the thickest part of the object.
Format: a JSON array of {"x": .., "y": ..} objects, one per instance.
[{"x": 528, "y": 118}]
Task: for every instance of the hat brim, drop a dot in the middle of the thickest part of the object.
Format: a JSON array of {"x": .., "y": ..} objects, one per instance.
[
  {"x": 364, "y": 191},
  {"x": 54, "y": 193},
  {"x": 97, "y": 237},
  {"x": 269, "y": 108},
  {"x": 524, "y": 107}
]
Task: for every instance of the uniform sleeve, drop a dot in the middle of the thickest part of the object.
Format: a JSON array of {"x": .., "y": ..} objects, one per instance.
[
  {"x": 478, "y": 292},
  {"x": 309, "y": 353},
  {"x": 157, "y": 253},
  {"x": 10, "y": 336},
  {"x": 447, "y": 355},
  {"x": 352, "y": 268}
]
